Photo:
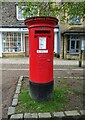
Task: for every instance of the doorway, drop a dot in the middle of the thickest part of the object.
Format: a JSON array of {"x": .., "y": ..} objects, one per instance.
[{"x": 26, "y": 46}]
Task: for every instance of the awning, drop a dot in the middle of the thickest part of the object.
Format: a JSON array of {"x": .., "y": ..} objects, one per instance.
[{"x": 75, "y": 31}]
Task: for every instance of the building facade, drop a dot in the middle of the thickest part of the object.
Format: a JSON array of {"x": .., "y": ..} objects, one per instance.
[
  {"x": 73, "y": 42},
  {"x": 72, "y": 39},
  {"x": 14, "y": 34}
]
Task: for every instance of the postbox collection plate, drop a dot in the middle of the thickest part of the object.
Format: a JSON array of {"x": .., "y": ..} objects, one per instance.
[{"x": 42, "y": 42}]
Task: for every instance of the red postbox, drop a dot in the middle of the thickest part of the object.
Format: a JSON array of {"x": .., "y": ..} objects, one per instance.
[{"x": 41, "y": 48}]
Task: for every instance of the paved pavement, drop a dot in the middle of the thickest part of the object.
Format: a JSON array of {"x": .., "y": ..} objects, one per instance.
[{"x": 25, "y": 60}]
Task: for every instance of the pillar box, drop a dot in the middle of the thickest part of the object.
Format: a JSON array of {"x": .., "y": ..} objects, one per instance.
[{"x": 41, "y": 50}]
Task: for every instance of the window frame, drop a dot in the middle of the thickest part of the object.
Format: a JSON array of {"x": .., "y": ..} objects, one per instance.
[
  {"x": 72, "y": 51},
  {"x": 17, "y": 13},
  {"x": 10, "y": 41},
  {"x": 73, "y": 20}
]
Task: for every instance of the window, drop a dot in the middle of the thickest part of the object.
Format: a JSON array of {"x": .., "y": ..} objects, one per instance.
[
  {"x": 73, "y": 44},
  {"x": 11, "y": 42},
  {"x": 19, "y": 13},
  {"x": 74, "y": 20},
  {"x": 32, "y": 12}
]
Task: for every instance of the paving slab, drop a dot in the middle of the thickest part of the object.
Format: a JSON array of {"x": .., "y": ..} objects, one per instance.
[
  {"x": 16, "y": 117},
  {"x": 18, "y": 89},
  {"x": 14, "y": 102},
  {"x": 11, "y": 110},
  {"x": 44, "y": 116},
  {"x": 30, "y": 116},
  {"x": 16, "y": 96},
  {"x": 19, "y": 84},
  {"x": 58, "y": 115},
  {"x": 72, "y": 113}
]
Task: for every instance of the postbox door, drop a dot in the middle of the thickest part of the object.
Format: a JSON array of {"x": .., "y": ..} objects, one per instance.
[
  {"x": 45, "y": 60},
  {"x": 41, "y": 58}
]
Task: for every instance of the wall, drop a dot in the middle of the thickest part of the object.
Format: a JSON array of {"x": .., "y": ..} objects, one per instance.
[
  {"x": 57, "y": 41},
  {"x": 9, "y": 14},
  {"x": 0, "y": 44},
  {"x": 14, "y": 54},
  {"x": 63, "y": 52}
]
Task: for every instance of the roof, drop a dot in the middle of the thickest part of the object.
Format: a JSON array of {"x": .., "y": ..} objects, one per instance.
[{"x": 73, "y": 30}]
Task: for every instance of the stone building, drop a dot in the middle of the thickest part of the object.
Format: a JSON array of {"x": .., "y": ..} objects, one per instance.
[
  {"x": 72, "y": 39},
  {"x": 73, "y": 42},
  {"x": 14, "y": 34}
]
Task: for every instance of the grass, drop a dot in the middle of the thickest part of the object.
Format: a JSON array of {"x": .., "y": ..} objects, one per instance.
[{"x": 57, "y": 103}]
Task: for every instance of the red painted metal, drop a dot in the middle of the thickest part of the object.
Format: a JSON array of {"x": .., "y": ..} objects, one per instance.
[{"x": 41, "y": 29}]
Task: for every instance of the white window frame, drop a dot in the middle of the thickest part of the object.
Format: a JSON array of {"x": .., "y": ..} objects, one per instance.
[
  {"x": 21, "y": 46},
  {"x": 17, "y": 13}
]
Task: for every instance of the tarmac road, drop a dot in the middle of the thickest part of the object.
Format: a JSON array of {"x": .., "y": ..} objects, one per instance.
[{"x": 12, "y": 71}]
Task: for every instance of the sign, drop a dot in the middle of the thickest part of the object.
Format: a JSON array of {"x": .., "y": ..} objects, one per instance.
[
  {"x": 42, "y": 51},
  {"x": 13, "y": 30},
  {"x": 22, "y": 29},
  {"x": 42, "y": 42}
]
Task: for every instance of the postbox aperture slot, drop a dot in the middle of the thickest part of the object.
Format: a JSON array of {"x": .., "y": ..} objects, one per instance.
[{"x": 42, "y": 31}]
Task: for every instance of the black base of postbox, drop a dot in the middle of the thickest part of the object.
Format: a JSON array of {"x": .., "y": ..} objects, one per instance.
[{"x": 41, "y": 92}]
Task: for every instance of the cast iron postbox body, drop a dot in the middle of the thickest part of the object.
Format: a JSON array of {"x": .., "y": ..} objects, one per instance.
[{"x": 41, "y": 48}]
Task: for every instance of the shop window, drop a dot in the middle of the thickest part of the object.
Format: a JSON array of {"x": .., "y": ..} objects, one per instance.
[
  {"x": 73, "y": 43},
  {"x": 11, "y": 42}
]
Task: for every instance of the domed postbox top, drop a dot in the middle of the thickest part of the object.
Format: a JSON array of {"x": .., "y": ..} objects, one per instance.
[{"x": 41, "y": 21}]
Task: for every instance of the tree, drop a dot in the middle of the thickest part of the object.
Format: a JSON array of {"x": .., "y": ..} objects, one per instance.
[{"x": 61, "y": 10}]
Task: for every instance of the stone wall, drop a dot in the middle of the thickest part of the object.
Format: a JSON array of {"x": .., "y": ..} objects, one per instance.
[
  {"x": 17, "y": 54},
  {"x": 9, "y": 14}
]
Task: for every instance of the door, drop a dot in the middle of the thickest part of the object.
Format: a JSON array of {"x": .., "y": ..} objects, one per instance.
[
  {"x": 41, "y": 56},
  {"x": 26, "y": 46}
]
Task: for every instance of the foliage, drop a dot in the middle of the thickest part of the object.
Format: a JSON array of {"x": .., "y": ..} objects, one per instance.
[{"x": 54, "y": 9}]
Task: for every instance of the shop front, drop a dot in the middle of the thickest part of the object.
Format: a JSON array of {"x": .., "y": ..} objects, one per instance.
[{"x": 14, "y": 41}]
